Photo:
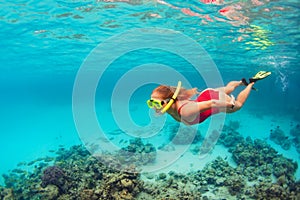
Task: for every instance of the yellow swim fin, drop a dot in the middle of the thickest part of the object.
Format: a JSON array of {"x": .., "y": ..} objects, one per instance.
[{"x": 259, "y": 76}]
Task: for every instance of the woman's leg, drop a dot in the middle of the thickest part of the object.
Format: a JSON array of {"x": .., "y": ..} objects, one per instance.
[
  {"x": 230, "y": 87},
  {"x": 242, "y": 97}
]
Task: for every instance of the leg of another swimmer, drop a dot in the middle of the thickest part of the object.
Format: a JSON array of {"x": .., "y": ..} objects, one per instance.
[
  {"x": 242, "y": 97},
  {"x": 230, "y": 87}
]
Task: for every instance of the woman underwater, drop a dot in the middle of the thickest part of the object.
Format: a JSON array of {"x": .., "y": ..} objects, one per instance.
[{"x": 177, "y": 102}]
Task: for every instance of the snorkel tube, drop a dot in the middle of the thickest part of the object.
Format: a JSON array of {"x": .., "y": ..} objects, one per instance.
[{"x": 172, "y": 99}]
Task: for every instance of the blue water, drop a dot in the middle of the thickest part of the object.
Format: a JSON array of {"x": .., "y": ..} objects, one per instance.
[{"x": 44, "y": 43}]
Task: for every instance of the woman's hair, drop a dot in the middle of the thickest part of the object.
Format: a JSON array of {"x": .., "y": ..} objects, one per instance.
[{"x": 167, "y": 92}]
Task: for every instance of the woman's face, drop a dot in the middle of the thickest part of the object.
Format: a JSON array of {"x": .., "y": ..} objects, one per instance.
[{"x": 157, "y": 96}]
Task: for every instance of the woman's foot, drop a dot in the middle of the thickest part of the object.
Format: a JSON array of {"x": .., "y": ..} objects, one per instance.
[{"x": 244, "y": 82}]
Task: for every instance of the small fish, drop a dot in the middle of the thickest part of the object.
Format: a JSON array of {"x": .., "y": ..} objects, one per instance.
[
  {"x": 48, "y": 159},
  {"x": 21, "y": 163},
  {"x": 61, "y": 149},
  {"x": 30, "y": 163},
  {"x": 115, "y": 132},
  {"x": 18, "y": 171},
  {"x": 103, "y": 139},
  {"x": 39, "y": 159}
]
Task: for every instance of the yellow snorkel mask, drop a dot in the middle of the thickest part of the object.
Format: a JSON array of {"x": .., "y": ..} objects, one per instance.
[{"x": 153, "y": 103}]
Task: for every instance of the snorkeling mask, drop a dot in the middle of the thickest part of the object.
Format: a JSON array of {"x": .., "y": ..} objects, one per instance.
[{"x": 154, "y": 103}]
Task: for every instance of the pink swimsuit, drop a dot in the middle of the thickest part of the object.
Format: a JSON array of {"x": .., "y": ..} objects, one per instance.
[{"x": 205, "y": 95}]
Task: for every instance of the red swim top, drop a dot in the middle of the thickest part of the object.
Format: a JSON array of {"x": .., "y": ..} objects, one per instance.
[{"x": 205, "y": 95}]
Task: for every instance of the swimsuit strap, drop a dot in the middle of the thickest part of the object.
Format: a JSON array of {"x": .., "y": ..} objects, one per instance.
[{"x": 179, "y": 109}]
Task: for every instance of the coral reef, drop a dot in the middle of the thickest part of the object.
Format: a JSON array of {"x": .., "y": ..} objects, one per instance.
[
  {"x": 54, "y": 175},
  {"x": 295, "y": 132},
  {"x": 166, "y": 147},
  {"x": 138, "y": 153},
  {"x": 229, "y": 136},
  {"x": 263, "y": 158},
  {"x": 234, "y": 125},
  {"x": 50, "y": 192},
  {"x": 219, "y": 174},
  {"x": 278, "y": 137},
  {"x": 121, "y": 185},
  {"x": 80, "y": 175},
  {"x": 6, "y": 194},
  {"x": 268, "y": 190},
  {"x": 74, "y": 174},
  {"x": 184, "y": 135},
  {"x": 209, "y": 142},
  {"x": 170, "y": 186},
  {"x": 135, "y": 153}
]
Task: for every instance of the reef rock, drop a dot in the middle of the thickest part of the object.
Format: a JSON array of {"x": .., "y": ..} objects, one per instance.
[
  {"x": 137, "y": 153},
  {"x": 284, "y": 166},
  {"x": 88, "y": 194},
  {"x": 50, "y": 192},
  {"x": 235, "y": 184},
  {"x": 229, "y": 137},
  {"x": 184, "y": 135},
  {"x": 6, "y": 194},
  {"x": 264, "y": 158},
  {"x": 233, "y": 125},
  {"x": 295, "y": 132},
  {"x": 278, "y": 137},
  {"x": 54, "y": 175},
  {"x": 127, "y": 183},
  {"x": 268, "y": 190}
]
